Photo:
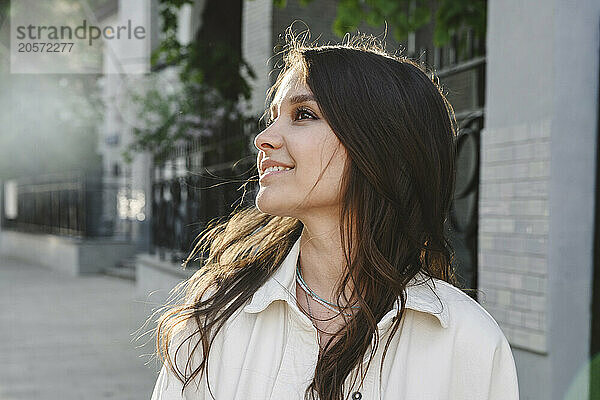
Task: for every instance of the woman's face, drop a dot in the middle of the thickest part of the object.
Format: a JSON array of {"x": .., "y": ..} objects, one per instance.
[{"x": 299, "y": 137}]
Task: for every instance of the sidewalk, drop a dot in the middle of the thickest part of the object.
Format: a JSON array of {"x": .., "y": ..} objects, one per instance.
[{"x": 70, "y": 338}]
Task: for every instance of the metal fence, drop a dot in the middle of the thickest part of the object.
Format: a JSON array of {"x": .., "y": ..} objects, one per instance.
[
  {"x": 464, "y": 216},
  {"x": 67, "y": 204},
  {"x": 198, "y": 182}
]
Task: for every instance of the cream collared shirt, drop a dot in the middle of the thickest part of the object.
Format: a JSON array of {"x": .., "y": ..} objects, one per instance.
[{"x": 448, "y": 347}]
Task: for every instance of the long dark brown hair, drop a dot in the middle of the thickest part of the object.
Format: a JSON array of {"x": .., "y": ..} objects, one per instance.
[{"x": 399, "y": 132}]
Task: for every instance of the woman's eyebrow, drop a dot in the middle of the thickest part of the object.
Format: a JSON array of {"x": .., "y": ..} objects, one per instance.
[
  {"x": 299, "y": 98},
  {"x": 302, "y": 98}
]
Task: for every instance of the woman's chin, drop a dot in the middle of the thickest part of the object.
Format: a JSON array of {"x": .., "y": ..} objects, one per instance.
[{"x": 272, "y": 206}]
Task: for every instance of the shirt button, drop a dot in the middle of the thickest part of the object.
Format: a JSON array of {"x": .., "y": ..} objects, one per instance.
[{"x": 356, "y": 396}]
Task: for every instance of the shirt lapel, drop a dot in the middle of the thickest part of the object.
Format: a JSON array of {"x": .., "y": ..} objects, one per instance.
[{"x": 420, "y": 296}]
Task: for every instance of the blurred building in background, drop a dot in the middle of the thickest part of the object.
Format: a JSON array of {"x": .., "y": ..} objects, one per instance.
[
  {"x": 524, "y": 222},
  {"x": 54, "y": 191},
  {"x": 125, "y": 63},
  {"x": 538, "y": 233}
]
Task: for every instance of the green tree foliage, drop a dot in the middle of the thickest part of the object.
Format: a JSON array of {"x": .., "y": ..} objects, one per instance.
[{"x": 212, "y": 79}]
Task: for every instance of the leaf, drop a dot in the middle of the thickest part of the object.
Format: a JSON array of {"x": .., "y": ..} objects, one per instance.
[
  {"x": 374, "y": 19},
  {"x": 421, "y": 17},
  {"x": 440, "y": 37}
]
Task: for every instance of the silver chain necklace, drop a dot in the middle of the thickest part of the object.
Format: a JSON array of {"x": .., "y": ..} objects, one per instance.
[{"x": 315, "y": 297}]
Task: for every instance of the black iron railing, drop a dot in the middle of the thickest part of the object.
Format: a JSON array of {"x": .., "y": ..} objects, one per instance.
[
  {"x": 461, "y": 71},
  {"x": 196, "y": 183},
  {"x": 464, "y": 215},
  {"x": 68, "y": 204}
]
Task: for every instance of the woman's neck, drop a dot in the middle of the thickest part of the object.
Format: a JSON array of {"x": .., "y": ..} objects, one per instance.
[{"x": 322, "y": 260}]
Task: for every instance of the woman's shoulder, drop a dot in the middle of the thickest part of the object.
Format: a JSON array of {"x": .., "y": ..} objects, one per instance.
[
  {"x": 467, "y": 338},
  {"x": 465, "y": 316}
]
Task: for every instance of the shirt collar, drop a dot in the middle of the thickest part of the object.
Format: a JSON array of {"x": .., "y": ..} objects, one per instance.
[{"x": 282, "y": 286}]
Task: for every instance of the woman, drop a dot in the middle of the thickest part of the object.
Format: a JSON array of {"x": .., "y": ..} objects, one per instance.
[{"x": 338, "y": 284}]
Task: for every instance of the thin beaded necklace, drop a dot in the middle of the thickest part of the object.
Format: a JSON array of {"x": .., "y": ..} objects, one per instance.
[
  {"x": 311, "y": 317},
  {"x": 324, "y": 303}
]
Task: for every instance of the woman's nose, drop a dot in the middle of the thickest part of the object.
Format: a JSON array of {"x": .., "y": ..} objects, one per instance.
[{"x": 268, "y": 139}]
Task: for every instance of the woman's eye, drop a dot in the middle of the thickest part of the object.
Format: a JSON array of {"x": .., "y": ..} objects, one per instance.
[
  {"x": 302, "y": 113},
  {"x": 299, "y": 114}
]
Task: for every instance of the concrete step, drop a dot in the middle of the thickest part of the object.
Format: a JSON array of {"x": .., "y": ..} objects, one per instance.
[
  {"x": 121, "y": 272},
  {"x": 125, "y": 269}
]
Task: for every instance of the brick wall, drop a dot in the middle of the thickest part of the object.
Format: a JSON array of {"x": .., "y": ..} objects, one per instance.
[{"x": 513, "y": 230}]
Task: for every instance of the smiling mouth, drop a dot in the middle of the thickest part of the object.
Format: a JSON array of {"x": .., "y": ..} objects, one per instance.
[{"x": 275, "y": 172}]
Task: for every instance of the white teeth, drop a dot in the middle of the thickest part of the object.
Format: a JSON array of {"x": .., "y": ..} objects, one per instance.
[{"x": 275, "y": 169}]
